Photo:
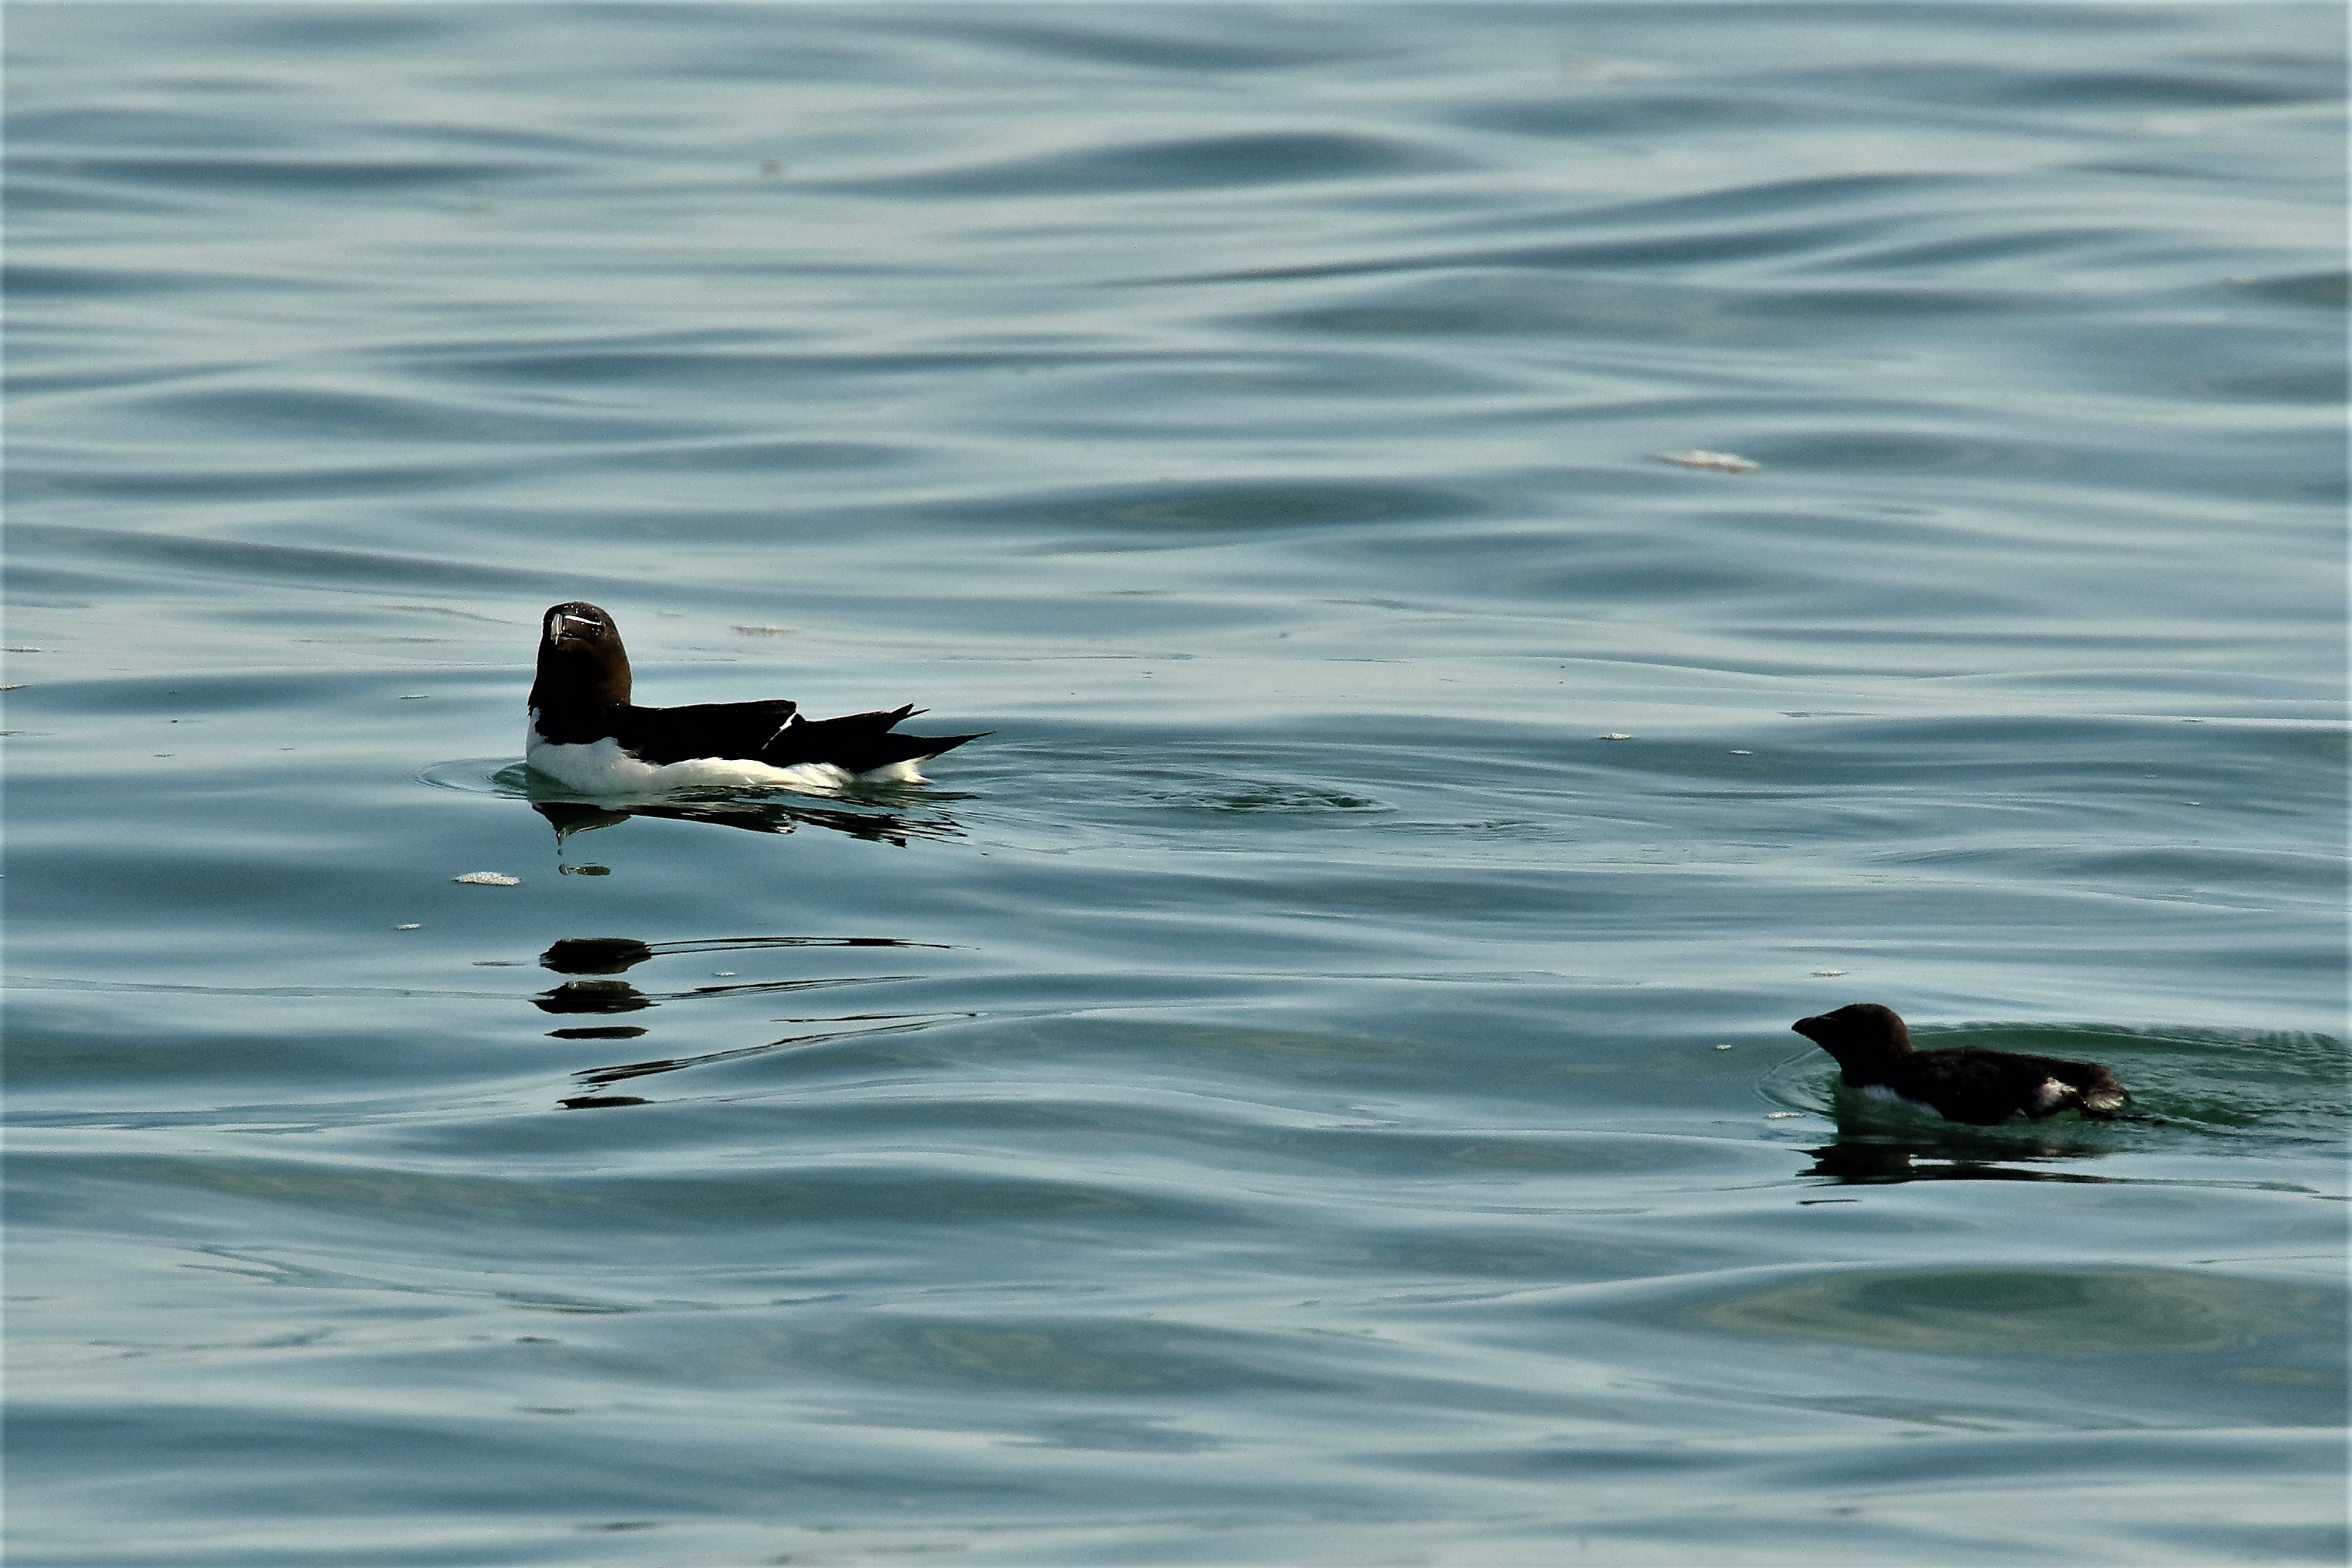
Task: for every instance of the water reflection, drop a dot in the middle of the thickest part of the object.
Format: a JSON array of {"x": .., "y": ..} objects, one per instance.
[
  {"x": 615, "y": 955},
  {"x": 1865, "y": 1152},
  {"x": 592, "y": 996},
  {"x": 885, "y": 1022},
  {"x": 1874, "y": 1163},
  {"x": 875, "y": 825},
  {"x": 592, "y": 963},
  {"x": 620, "y": 996}
]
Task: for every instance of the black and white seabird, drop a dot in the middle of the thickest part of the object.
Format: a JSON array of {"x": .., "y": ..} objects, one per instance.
[
  {"x": 585, "y": 733},
  {"x": 1959, "y": 1083}
]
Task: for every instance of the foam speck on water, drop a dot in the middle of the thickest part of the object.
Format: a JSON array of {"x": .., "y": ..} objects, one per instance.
[{"x": 1718, "y": 462}]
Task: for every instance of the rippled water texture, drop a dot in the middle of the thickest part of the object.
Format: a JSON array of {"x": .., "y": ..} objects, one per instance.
[{"x": 1313, "y": 1084}]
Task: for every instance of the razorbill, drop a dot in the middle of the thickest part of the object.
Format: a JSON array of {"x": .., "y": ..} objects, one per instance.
[
  {"x": 1959, "y": 1083},
  {"x": 585, "y": 733}
]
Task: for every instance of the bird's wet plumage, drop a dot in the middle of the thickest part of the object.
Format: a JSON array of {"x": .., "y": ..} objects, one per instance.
[{"x": 1961, "y": 1083}]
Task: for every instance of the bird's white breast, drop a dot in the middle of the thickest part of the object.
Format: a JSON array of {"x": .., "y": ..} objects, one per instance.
[
  {"x": 1887, "y": 1095},
  {"x": 602, "y": 768}
]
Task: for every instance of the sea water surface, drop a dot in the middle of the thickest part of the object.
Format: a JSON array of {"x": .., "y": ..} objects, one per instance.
[{"x": 1314, "y": 1083}]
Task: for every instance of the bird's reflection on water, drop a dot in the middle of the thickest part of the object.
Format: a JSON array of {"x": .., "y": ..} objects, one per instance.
[
  {"x": 886, "y": 1023},
  {"x": 1866, "y": 1153},
  {"x": 620, "y": 996},
  {"x": 588, "y": 961},
  {"x": 876, "y": 822},
  {"x": 618, "y": 954},
  {"x": 592, "y": 996},
  {"x": 591, "y": 963}
]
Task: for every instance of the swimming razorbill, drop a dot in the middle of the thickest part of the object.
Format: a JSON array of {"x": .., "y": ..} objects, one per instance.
[
  {"x": 1959, "y": 1083},
  {"x": 585, "y": 733}
]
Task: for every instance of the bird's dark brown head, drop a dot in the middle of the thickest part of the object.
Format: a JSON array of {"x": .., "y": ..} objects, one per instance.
[
  {"x": 581, "y": 663},
  {"x": 1863, "y": 1036}
]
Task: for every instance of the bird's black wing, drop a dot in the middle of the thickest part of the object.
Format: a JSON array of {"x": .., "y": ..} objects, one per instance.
[
  {"x": 1968, "y": 1083},
  {"x": 662, "y": 735},
  {"x": 855, "y": 743}
]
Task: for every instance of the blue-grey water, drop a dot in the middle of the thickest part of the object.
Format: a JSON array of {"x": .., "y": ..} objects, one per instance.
[{"x": 1313, "y": 1084}]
